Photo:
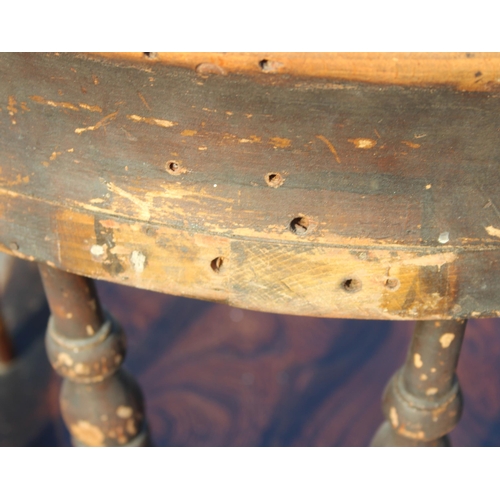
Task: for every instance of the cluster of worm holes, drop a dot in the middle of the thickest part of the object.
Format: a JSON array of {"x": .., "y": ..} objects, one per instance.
[{"x": 298, "y": 225}]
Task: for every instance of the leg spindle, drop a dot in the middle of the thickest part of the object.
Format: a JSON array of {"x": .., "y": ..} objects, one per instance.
[
  {"x": 423, "y": 402},
  {"x": 101, "y": 404},
  {"x": 6, "y": 348}
]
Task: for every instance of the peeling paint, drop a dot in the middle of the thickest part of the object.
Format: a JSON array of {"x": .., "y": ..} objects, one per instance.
[{"x": 446, "y": 339}]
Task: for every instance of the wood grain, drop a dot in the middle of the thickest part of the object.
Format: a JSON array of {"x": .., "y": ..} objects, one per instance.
[
  {"x": 148, "y": 174},
  {"x": 463, "y": 70}
]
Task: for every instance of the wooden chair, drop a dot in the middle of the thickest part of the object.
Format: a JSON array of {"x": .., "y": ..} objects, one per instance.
[{"x": 332, "y": 185}]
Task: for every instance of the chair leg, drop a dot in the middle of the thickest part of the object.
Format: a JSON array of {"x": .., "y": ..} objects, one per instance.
[
  {"x": 423, "y": 402},
  {"x": 101, "y": 404},
  {"x": 6, "y": 347}
]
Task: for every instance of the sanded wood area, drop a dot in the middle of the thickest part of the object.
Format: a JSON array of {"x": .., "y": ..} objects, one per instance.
[{"x": 273, "y": 192}]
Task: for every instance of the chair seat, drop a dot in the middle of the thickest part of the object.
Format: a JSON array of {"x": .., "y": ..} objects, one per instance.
[{"x": 321, "y": 185}]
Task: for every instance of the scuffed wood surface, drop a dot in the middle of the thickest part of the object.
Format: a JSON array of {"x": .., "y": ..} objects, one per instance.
[
  {"x": 462, "y": 70},
  {"x": 158, "y": 176}
]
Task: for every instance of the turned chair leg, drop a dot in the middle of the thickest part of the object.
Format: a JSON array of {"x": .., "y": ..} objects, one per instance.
[
  {"x": 423, "y": 402},
  {"x": 101, "y": 404}
]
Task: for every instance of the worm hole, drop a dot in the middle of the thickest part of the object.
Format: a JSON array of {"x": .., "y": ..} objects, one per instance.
[
  {"x": 216, "y": 264},
  {"x": 274, "y": 179},
  {"x": 351, "y": 285},
  {"x": 173, "y": 168},
  {"x": 299, "y": 226},
  {"x": 392, "y": 283}
]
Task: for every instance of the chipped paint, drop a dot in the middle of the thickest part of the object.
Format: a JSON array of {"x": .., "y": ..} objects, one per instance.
[
  {"x": 431, "y": 391},
  {"x": 88, "y": 107},
  {"x": 138, "y": 259},
  {"x": 412, "y": 145},
  {"x": 82, "y": 369},
  {"x": 138, "y": 202},
  {"x": 444, "y": 237},
  {"x": 253, "y": 138},
  {"x": 280, "y": 142},
  {"x": 393, "y": 416},
  {"x": 90, "y": 331},
  {"x": 16, "y": 182},
  {"x": 124, "y": 411},
  {"x": 446, "y": 339},
  {"x": 417, "y": 360},
  {"x": 330, "y": 147},
  {"x": 87, "y": 433},
  {"x": 188, "y": 133},
  {"x": 11, "y": 107},
  {"x": 363, "y": 143},
  {"x": 40, "y": 100},
  {"x": 98, "y": 125},
  {"x": 64, "y": 358},
  {"x": 493, "y": 231},
  {"x": 151, "y": 121},
  {"x": 437, "y": 259},
  {"x": 423, "y": 377},
  {"x": 97, "y": 250},
  {"x": 410, "y": 434}
]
